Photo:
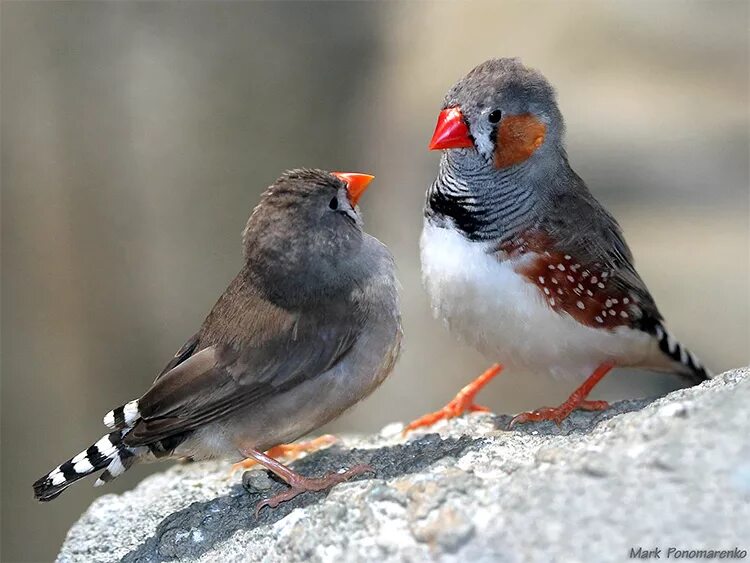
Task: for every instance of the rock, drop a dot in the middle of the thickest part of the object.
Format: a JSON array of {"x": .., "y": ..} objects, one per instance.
[
  {"x": 257, "y": 479},
  {"x": 674, "y": 472}
]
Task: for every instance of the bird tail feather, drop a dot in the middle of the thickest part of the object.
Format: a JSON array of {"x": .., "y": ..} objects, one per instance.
[
  {"x": 690, "y": 367},
  {"x": 123, "y": 416},
  {"x": 109, "y": 454}
]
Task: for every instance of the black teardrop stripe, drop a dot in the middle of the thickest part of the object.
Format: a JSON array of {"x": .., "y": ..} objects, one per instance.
[
  {"x": 490, "y": 210},
  {"x": 465, "y": 216}
]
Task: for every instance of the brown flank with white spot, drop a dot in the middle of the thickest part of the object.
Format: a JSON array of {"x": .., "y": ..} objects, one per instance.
[{"x": 581, "y": 290}]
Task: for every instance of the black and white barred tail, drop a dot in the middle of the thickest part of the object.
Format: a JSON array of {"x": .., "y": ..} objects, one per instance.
[
  {"x": 108, "y": 455},
  {"x": 122, "y": 417},
  {"x": 693, "y": 369}
]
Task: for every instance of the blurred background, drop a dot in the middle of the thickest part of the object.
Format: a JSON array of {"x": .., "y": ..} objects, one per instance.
[{"x": 137, "y": 137}]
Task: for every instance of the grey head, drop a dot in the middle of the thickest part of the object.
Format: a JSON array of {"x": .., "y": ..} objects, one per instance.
[
  {"x": 504, "y": 167},
  {"x": 509, "y": 115},
  {"x": 303, "y": 240}
]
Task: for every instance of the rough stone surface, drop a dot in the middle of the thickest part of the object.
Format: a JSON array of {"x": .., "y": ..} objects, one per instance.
[{"x": 674, "y": 472}]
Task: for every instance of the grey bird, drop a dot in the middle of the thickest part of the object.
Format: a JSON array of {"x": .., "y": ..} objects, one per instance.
[
  {"x": 519, "y": 258},
  {"x": 309, "y": 327}
]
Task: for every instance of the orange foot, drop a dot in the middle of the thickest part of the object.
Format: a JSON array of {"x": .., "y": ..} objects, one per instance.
[
  {"x": 289, "y": 452},
  {"x": 577, "y": 400},
  {"x": 556, "y": 414},
  {"x": 461, "y": 403}
]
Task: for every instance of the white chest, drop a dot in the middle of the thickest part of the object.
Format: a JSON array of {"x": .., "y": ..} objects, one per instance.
[{"x": 488, "y": 305}]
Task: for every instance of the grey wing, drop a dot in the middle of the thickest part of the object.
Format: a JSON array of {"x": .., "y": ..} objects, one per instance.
[
  {"x": 626, "y": 276},
  {"x": 596, "y": 237},
  {"x": 222, "y": 378}
]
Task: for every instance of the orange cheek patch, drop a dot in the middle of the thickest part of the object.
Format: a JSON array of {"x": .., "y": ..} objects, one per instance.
[{"x": 518, "y": 136}]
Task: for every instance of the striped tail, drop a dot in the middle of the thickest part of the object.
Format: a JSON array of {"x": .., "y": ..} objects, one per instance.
[
  {"x": 108, "y": 454},
  {"x": 122, "y": 417},
  {"x": 691, "y": 367}
]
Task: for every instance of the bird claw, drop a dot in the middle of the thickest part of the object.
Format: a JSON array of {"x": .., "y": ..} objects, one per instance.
[
  {"x": 300, "y": 484},
  {"x": 593, "y": 406},
  {"x": 556, "y": 414},
  {"x": 276, "y": 500},
  {"x": 577, "y": 400}
]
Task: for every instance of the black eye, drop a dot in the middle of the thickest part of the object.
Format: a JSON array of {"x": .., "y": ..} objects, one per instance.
[
  {"x": 334, "y": 203},
  {"x": 495, "y": 116}
]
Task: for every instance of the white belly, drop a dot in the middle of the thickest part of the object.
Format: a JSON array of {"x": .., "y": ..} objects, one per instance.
[{"x": 488, "y": 305}]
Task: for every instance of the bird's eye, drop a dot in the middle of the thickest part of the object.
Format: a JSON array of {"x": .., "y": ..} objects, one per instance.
[
  {"x": 495, "y": 116},
  {"x": 334, "y": 203}
]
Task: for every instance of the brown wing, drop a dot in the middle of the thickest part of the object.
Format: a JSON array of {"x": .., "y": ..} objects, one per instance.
[
  {"x": 253, "y": 361},
  {"x": 187, "y": 350}
]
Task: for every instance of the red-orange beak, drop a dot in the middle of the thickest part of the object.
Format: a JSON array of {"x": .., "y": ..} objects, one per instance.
[
  {"x": 451, "y": 131},
  {"x": 356, "y": 184}
]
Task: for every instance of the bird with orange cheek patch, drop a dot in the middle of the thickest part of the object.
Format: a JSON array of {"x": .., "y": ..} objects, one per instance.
[{"x": 520, "y": 260}]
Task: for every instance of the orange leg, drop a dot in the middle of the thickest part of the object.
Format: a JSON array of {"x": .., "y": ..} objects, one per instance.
[
  {"x": 462, "y": 402},
  {"x": 289, "y": 452},
  {"x": 577, "y": 400}
]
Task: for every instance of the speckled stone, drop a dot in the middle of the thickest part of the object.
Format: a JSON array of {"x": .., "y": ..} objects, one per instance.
[{"x": 674, "y": 472}]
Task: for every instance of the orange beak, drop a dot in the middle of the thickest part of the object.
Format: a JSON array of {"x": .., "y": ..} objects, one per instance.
[
  {"x": 451, "y": 131},
  {"x": 356, "y": 184}
]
